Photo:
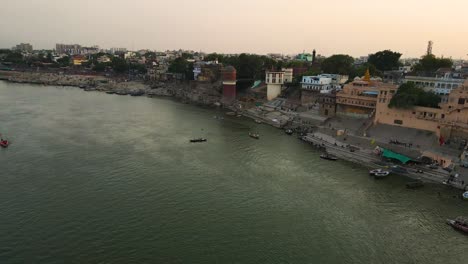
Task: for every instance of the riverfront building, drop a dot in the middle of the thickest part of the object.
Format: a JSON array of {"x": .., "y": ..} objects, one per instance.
[
  {"x": 448, "y": 121},
  {"x": 276, "y": 81},
  {"x": 229, "y": 84},
  {"x": 359, "y": 98},
  {"x": 313, "y": 86}
]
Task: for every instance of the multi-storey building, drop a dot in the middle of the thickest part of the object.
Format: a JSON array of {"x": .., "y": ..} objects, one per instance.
[
  {"x": 359, "y": 98},
  {"x": 276, "y": 80},
  {"x": 448, "y": 121},
  {"x": 24, "y": 47},
  {"x": 70, "y": 49},
  {"x": 441, "y": 85}
]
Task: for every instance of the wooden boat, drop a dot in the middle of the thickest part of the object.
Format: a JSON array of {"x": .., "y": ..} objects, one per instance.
[
  {"x": 196, "y": 140},
  {"x": 231, "y": 113},
  {"x": 110, "y": 92},
  {"x": 465, "y": 195},
  {"x": 258, "y": 121},
  {"x": 327, "y": 156},
  {"x": 459, "y": 223},
  {"x": 289, "y": 131},
  {"x": 381, "y": 174},
  {"x": 4, "y": 143},
  {"x": 254, "y": 135},
  {"x": 414, "y": 184},
  {"x": 373, "y": 172}
]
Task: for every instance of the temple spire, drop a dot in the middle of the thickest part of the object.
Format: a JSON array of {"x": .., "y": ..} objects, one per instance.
[{"x": 367, "y": 76}]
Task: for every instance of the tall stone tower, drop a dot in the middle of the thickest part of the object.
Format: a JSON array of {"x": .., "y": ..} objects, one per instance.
[
  {"x": 313, "y": 55},
  {"x": 229, "y": 84}
]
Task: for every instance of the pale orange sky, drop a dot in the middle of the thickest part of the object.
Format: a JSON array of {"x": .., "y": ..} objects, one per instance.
[{"x": 355, "y": 27}]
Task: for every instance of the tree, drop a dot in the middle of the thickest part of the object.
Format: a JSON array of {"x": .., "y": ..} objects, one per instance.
[
  {"x": 179, "y": 65},
  {"x": 119, "y": 65},
  {"x": 360, "y": 70},
  {"x": 340, "y": 64},
  {"x": 64, "y": 61},
  {"x": 431, "y": 63},
  {"x": 385, "y": 60},
  {"x": 409, "y": 95}
]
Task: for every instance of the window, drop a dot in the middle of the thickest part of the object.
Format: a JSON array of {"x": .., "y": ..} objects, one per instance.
[
  {"x": 461, "y": 101},
  {"x": 442, "y": 116},
  {"x": 398, "y": 122},
  {"x": 414, "y": 113}
]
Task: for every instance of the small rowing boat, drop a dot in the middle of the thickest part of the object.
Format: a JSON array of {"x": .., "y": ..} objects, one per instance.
[{"x": 197, "y": 140}]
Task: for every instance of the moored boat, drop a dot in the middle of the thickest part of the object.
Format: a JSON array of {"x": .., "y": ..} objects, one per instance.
[
  {"x": 327, "y": 156},
  {"x": 373, "y": 172},
  {"x": 459, "y": 223},
  {"x": 258, "y": 121},
  {"x": 289, "y": 131},
  {"x": 231, "y": 113},
  {"x": 465, "y": 195},
  {"x": 196, "y": 140},
  {"x": 381, "y": 174}
]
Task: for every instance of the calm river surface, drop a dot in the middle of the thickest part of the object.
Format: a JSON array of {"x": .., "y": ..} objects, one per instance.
[{"x": 97, "y": 178}]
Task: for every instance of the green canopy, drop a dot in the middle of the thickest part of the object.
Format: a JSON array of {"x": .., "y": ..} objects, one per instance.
[{"x": 393, "y": 155}]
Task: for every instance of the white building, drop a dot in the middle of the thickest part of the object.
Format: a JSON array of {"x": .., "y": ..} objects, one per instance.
[
  {"x": 323, "y": 83},
  {"x": 288, "y": 75},
  {"x": 275, "y": 82},
  {"x": 439, "y": 85}
]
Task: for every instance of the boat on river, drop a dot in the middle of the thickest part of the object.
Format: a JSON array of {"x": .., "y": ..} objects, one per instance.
[
  {"x": 254, "y": 135},
  {"x": 327, "y": 156},
  {"x": 4, "y": 143},
  {"x": 465, "y": 195},
  {"x": 379, "y": 173},
  {"x": 289, "y": 131},
  {"x": 197, "y": 140},
  {"x": 258, "y": 121},
  {"x": 459, "y": 223}
]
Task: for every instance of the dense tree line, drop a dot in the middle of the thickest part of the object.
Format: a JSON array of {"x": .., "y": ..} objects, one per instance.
[{"x": 409, "y": 95}]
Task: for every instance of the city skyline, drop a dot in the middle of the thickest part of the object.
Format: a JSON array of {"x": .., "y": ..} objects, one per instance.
[{"x": 244, "y": 26}]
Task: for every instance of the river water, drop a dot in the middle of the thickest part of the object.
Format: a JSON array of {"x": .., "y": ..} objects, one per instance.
[{"x": 97, "y": 178}]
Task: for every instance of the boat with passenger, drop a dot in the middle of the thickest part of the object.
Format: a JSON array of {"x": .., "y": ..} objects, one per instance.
[
  {"x": 379, "y": 173},
  {"x": 459, "y": 223},
  {"x": 289, "y": 131},
  {"x": 254, "y": 135},
  {"x": 197, "y": 140}
]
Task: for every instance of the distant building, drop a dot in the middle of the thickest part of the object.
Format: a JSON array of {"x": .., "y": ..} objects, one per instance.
[
  {"x": 78, "y": 60},
  {"x": 23, "y": 47},
  {"x": 70, "y": 49},
  {"x": 275, "y": 82},
  {"x": 327, "y": 104},
  {"x": 441, "y": 85},
  {"x": 103, "y": 59},
  {"x": 359, "y": 98},
  {"x": 306, "y": 57},
  {"x": 118, "y": 50},
  {"x": 313, "y": 86},
  {"x": 229, "y": 84}
]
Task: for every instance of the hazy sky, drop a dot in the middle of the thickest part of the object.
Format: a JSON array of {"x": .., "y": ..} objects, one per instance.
[{"x": 355, "y": 27}]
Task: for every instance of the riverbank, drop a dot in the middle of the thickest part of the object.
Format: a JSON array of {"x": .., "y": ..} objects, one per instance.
[
  {"x": 200, "y": 93},
  {"x": 208, "y": 94}
]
